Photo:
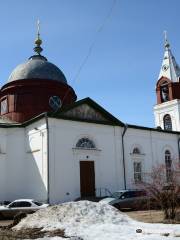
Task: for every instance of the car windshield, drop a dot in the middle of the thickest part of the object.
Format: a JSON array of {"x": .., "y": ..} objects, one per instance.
[
  {"x": 37, "y": 203},
  {"x": 117, "y": 194}
]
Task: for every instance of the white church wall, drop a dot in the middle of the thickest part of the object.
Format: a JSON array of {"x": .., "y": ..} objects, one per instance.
[
  {"x": 3, "y": 158},
  {"x": 153, "y": 145},
  {"x": 23, "y": 162},
  {"x": 65, "y": 158},
  {"x": 24, "y": 165},
  {"x": 36, "y": 160},
  {"x": 15, "y": 168}
]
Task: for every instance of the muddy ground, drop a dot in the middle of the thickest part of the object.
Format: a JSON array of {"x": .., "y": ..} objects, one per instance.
[{"x": 151, "y": 216}]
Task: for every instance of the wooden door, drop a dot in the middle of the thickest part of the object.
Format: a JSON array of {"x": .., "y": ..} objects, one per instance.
[{"x": 87, "y": 178}]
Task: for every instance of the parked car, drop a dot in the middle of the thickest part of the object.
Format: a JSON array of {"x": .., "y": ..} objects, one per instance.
[
  {"x": 128, "y": 199},
  {"x": 20, "y": 206}
]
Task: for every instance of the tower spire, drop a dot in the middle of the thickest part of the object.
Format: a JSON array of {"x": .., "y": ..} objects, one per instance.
[
  {"x": 166, "y": 43},
  {"x": 169, "y": 68},
  {"x": 38, "y": 49}
]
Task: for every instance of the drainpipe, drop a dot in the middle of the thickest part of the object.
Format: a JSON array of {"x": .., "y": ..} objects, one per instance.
[
  {"x": 179, "y": 148},
  {"x": 48, "y": 165},
  {"x": 123, "y": 154}
]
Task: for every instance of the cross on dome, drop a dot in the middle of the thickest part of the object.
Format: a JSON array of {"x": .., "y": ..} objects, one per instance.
[
  {"x": 38, "y": 28},
  {"x": 38, "y": 49}
]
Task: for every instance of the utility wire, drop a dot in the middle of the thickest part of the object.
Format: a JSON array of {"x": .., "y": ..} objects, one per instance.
[{"x": 99, "y": 30}]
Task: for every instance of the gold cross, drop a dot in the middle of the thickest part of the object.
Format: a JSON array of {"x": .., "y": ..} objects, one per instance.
[{"x": 38, "y": 28}]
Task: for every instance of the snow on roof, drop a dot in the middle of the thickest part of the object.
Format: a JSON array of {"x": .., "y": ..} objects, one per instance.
[{"x": 95, "y": 221}]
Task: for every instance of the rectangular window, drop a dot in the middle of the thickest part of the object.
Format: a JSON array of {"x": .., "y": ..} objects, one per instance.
[
  {"x": 137, "y": 172},
  {"x": 4, "y": 106}
]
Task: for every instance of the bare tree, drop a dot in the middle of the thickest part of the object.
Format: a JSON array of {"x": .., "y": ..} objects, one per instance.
[{"x": 163, "y": 187}]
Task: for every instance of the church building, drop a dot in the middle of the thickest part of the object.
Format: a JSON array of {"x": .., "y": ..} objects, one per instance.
[{"x": 54, "y": 148}]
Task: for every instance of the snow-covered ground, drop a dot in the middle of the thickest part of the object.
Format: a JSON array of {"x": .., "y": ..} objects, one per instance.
[{"x": 96, "y": 221}]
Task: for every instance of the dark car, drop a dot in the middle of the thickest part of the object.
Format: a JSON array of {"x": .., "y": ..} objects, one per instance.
[
  {"x": 128, "y": 199},
  {"x": 20, "y": 206}
]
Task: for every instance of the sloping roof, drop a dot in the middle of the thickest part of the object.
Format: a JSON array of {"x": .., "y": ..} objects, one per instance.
[
  {"x": 151, "y": 129},
  {"x": 87, "y": 111},
  {"x": 103, "y": 117}
]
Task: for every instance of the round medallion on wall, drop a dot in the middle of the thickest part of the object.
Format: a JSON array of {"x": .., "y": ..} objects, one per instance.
[{"x": 55, "y": 103}]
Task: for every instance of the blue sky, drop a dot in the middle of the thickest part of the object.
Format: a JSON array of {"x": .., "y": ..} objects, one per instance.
[{"x": 122, "y": 69}]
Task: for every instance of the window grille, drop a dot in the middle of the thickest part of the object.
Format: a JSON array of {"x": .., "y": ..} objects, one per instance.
[{"x": 85, "y": 143}]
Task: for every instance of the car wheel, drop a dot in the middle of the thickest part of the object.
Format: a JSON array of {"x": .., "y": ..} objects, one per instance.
[{"x": 1, "y": 216}]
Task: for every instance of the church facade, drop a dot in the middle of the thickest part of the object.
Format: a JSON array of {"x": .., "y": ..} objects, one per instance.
[{"x": 55, "y": 149}]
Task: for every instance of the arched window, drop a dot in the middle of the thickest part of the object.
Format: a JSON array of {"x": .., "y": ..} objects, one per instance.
[
  {"x": 85, "y": 143},
  {"x": 137, "y": 164},
  {"x": 168, "y": 164},
  {"x": 136, "y": 151},
  {"x": 167, "y": 122}
]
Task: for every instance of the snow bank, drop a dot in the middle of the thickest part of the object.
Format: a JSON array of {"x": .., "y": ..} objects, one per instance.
[
  {"x": 73, "y": 214},
  {"x": 95, "y": 221}
]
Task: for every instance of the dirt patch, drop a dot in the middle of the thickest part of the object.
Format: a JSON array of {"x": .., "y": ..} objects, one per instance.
[
  {"x": 6, "y": 232},
  {"x": 150, "y": 216},
  {"x": 29, "y": 234},
  {"x": 4, "y": 223}
]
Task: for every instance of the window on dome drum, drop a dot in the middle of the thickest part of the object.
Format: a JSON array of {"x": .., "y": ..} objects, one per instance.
[
  {"x": 137, "y": 172},
  {"x": 168, "y": 164},
  {"x": 4, "y": 106},
  {"x": 136, "y": 151},
  {"x": 85, "y": 143},
  {"x": 164, "y": 92},
  {"x": 167, "y": 122}
]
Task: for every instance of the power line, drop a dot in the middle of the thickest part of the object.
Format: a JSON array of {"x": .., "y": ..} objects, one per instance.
[{"x": 99, "y": 30}]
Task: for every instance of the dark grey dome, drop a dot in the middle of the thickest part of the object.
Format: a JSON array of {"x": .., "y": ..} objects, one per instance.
[{"x": 37, "y": 67}]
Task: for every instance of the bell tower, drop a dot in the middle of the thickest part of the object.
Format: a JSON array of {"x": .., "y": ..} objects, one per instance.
[{"x": 167, "y": 109}]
